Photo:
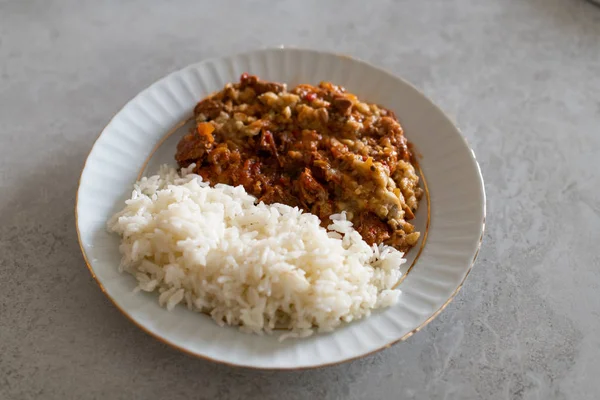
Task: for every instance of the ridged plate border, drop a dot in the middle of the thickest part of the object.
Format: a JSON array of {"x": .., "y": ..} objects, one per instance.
[{"x": 456, "y": 193}]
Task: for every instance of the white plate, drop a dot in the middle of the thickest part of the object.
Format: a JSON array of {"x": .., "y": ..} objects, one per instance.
[{"x": 140, "y": 130}]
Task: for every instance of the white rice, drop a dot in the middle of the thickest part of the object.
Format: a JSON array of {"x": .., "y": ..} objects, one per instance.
[{"x": 253, "y": 265}]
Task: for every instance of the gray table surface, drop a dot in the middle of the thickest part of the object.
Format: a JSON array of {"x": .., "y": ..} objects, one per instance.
[{"x": 521, "y": 78}]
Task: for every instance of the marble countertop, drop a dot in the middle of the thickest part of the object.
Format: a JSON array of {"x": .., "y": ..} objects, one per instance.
[{"x": 521, "y": 78}]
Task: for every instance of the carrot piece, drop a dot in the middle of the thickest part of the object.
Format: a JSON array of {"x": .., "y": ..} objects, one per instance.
[{"x": 205, "y": 129}]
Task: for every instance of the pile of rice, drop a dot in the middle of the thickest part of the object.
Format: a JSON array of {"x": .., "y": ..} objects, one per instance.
[{"x": 254, "y": 265}]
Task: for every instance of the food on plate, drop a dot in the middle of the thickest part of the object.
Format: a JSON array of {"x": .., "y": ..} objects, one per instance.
[
  {"x": 218, "y": 250},
  {"x": 291, "y": 209},
  {"x": 318, "y": 148}
]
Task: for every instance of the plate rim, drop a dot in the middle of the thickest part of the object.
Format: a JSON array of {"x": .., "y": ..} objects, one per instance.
[{"x": 284, "y": 48}]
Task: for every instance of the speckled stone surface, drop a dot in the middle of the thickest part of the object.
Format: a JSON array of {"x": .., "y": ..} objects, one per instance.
[{"x": 521, "y": 78}]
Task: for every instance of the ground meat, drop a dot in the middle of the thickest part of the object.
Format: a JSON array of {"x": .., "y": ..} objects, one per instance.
[
  {"x": 315, "y": 147},
  {"x": 209, "y": 108},
  {"x": 341, "y": 105}
]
